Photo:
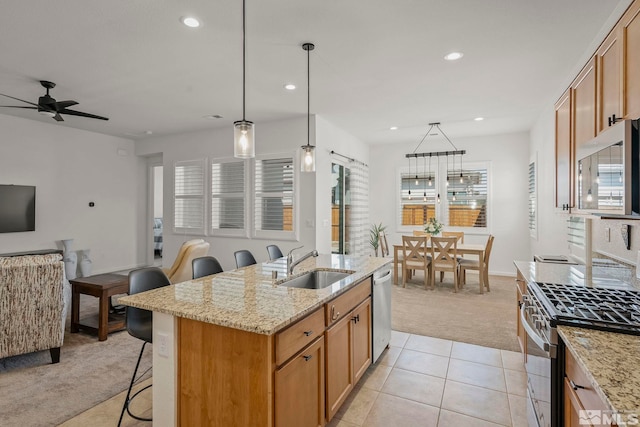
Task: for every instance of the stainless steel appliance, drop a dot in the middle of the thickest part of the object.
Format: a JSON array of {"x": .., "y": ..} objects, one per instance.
[
  {"x": 381, "y": 311},
  {"x": 615, "y": 309}
]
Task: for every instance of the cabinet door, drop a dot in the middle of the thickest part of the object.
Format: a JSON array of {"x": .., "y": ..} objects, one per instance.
[
  {"x": 630, "y": 23},
  {"x": 339, "y": 371},
  {"x": 299, "y": 389},
  {"x": 572, "y": 407},
  {"x": 564, "y": 157},
  {"x": 609, "y": 70},
  {"x": 584, "y": 105},
  {"x": 361, "y": 324}
]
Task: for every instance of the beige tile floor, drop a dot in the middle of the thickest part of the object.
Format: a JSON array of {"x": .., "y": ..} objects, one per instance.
[{"x": 418, "y": 381}]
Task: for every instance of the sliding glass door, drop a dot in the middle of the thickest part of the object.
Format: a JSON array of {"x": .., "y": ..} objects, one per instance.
[{"x": 340, "y": 209}]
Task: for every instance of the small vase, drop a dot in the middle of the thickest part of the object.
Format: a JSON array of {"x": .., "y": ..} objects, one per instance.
[
  {"x": 70, "y": 259},
  {"x": 85, "y": 263}
]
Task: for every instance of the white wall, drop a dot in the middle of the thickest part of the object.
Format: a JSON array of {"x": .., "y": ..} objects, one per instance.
[
  {"x": 331, "y": 138},
  {"x": 508, "y": 212},
  {"x": 158, "y": 199},
  {"x": 284, "y": 136},
  {"x": 71, "y": 168}
]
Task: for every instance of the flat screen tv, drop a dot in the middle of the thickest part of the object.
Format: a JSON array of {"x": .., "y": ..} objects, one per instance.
[{"x": 17, "y": 208}]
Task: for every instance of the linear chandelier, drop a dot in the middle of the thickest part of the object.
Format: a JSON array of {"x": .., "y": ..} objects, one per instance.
[{"x": 438, "y": 154}]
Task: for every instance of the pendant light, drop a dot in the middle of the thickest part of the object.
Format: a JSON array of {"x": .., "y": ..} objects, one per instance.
[
  {"x": 424, "y": 169},
  {"x": 430, "y": 183},
  {"x": 409, "y": 180},
  {"x": 461, "y": 178},
  {"x": 308, "y": 155},
  {"x": 243, "y": 130}
]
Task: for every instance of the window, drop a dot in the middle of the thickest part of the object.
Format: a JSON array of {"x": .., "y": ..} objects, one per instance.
[
  {"x": 532, "y": 200},
  {"x": 460, "y": 205},
  {"x": 228, "y": 190},
  {"x": 467, "y": 198},
  {"x": 418, "y": 198},
  {"x": 275, "y": 198},
  {"x": 189, "y": 197}
]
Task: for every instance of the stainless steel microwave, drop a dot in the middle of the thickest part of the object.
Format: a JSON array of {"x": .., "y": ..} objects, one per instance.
[{"x": 608, "y": 171}]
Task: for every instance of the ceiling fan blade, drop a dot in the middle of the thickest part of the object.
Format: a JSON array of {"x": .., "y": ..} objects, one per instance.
[
  {"x": 58, "y": 106},
  {"x": 81, "y": 114},
  {"x": 18, "y": 99},
  {"x": 18, "y": 106},
  {"x": 58, "y": 118}
]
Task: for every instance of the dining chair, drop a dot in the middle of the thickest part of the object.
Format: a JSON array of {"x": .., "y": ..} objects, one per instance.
[
  {"x": 415, "y": 257},
  {"x": 473, "y": 264},
  {"x": 244, "y": 258},
  {"x": 274, "y": 252},
  {"x": 460, "y": 236},
  {"x": 139, "y": 323},
  {"x": 384, "y": 246},
  {"x": 205, "y": 266},
  {"x": 444, "y": 257}
]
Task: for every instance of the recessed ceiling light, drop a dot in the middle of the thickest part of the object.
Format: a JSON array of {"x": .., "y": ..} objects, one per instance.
[
  {"x": 212, "y": 116},
  {"x": 148, "y": 132},
  {"x": 289, "y": 86},
  {"x": 190, "y": 21},
  {"x": 394, "y": 128},
  {"x": 453, "y": 56},
  {"x": 479, "y": 119}
]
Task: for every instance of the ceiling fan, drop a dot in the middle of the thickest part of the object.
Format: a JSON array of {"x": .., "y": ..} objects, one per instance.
[{"x": 50, "y": 107}]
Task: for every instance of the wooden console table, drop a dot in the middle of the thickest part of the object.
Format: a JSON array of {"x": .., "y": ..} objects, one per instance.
[{"x": 102, "y": 286}]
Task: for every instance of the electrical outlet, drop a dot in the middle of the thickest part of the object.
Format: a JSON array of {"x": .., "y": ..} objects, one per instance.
[
  {"x": 163, "y": 344},
  {"x": 607, "y": 234}
]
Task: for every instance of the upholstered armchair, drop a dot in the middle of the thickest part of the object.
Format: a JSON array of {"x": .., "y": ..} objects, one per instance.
[
  {"x": 181, "y": 270},
  {"x": 34, "y": 300}
]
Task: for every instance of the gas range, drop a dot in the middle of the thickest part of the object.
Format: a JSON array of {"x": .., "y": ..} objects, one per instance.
[{"x": 603, "y": 308}]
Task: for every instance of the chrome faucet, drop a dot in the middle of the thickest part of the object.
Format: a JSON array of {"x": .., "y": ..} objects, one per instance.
[{"x": 291, "y": 264}]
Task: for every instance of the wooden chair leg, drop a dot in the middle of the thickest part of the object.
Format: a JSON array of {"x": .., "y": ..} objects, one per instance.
[
  {"x": 441, "y": 276},
  {"x": 404, "y": 277},
  {"x": 486, "y": 280},
  {"x": 455, "y": 281}
]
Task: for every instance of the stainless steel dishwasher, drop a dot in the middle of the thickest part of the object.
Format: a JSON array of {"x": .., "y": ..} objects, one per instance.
[{"x": 381, "y": 310}]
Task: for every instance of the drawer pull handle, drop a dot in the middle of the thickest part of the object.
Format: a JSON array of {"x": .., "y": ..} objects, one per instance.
[
  {"x": 307, "y": 333},
  {"x": 356, "y": 319},
  {"x": 334, "y": 314},
  {"x": 307, "y": 358},
  {"x": 574, "y": 386}
]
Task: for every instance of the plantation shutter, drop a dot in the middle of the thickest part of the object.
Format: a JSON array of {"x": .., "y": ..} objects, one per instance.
[
  {"x": 228, "y": 191},
  {"x": 532, "y": 199},
  {"x": 189, "y": 197},
  {"x": 275, "y": 209}
]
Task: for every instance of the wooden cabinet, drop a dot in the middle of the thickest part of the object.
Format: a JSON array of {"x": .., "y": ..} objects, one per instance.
[
  {"x": 348, "y": 354},
  {"x": 299, "y": 389},
  {"x": 564, "y": 153},
  {"x": 583, "y": 105},
  {"x": 630, "y": 29},
  {"x": 579, "y": 394},
  {"x": 296, "y": 377},
  {"x": 609, "y": 73}
]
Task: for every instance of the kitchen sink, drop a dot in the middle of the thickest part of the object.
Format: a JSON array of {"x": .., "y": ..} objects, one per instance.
[{"x": 316, "y": 279}]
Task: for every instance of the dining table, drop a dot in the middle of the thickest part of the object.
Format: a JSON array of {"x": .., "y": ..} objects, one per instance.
[{"x": 461, "y": 249}]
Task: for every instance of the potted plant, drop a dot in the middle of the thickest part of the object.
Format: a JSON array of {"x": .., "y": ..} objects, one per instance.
[
  {"x": 374, "y": 236},
  {"x": 433, "y": 226}
]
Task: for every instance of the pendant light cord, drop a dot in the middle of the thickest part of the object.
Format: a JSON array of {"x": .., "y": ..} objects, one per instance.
[
  {"x": 308, "y": 96},
  {"x": 244, "y": 48}
]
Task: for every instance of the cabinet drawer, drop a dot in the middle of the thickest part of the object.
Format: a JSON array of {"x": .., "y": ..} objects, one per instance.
[
  {"x": 298, "y": 335},
  {"x": 338, "y": 307},
  {"x": 588, "y": 396}
]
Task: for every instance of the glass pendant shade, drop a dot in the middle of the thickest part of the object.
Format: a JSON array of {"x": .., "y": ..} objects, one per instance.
[
  {"x": 308, "y": 159},
  {"x": 243, "y": 139}
]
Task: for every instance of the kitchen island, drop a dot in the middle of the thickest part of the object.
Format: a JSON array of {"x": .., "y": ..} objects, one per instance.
[
  {"x": 593, "y": 373},
  {"x": 238, "y": 348}
]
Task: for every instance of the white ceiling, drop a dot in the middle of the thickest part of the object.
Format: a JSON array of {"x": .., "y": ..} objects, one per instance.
[{"x": 377, "y": 63}]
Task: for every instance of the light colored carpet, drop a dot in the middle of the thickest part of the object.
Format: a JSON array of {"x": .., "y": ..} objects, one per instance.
[
  {"x": 488, "y": 319},
  {"x": 36, "y": 393}
]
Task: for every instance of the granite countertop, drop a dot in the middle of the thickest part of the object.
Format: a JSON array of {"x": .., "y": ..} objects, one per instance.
[
  {"x": 249, "y": 299},
  {"x": 571, "y": 274},
  {"x": 611, "y": 361}
]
